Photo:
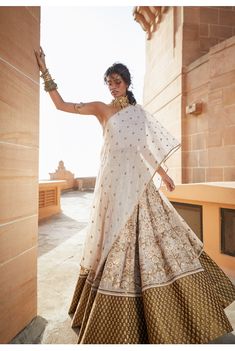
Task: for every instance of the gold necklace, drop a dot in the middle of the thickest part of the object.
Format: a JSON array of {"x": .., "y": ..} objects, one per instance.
[{"x": 121, "y": 101}]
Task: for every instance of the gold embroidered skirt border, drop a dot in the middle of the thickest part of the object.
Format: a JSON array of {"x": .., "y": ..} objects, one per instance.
[
  {"x": 188, "y": 311},
  {"x": 157, "y": 285}
]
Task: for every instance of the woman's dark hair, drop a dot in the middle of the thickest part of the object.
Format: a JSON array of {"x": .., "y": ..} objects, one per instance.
[{"x": 123, "y": 71}]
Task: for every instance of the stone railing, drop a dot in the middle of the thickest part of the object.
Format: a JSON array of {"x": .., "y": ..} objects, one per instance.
[{"x": 85, "y": 183}]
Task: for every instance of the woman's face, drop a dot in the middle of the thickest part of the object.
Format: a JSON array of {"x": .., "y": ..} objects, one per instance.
[{"x": 116, "y": 85}]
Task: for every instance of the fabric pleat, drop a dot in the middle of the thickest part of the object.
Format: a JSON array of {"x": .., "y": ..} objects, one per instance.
[{"x": 156, "y": 286}]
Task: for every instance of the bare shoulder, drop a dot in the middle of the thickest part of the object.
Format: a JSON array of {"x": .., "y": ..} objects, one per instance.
[
  {"x": 107, "y": 110},
  {"x": 97, "y": 108}
]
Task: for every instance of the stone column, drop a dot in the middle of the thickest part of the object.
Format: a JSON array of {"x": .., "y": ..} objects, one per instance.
[{"x": 19, "y": 143}]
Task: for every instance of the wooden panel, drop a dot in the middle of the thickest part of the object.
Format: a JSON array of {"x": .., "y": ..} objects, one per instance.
[
  {"x": 18, "y": 294},
  {"x": 18, "y": 237},
  {"x": 19, "y": 35},
  {"x": 19, "y": 106}
]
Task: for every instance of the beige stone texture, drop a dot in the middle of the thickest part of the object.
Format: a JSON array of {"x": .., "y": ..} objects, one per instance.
[
  {"x": 19, "y": 144},
  {"x": 19, "y": 35},
  {"x": 190, "y": 59},
  {"x": 17, "y": 237},
  {"x": 214, "y": 174},
  {"x": 221, "y": 31},
  {"x": 209, "y": 15},
  {"x": 203, "y": 158},
  {"x": 214, "y": 139},
  {"x": 229, "y": 173},
  {"x": 204, "y": 27},
  {"x": 19, "y": 198},
  {"x": 163, "y": 79},
  {"x": 18, "y": 293},
  {"x": 211, "y": 80},
  {"x": 204, "y": 30},
  {"x": 18, "y": 106},
  {"x": 199, "y": 174},
  {"x": 227, "y": 17}
]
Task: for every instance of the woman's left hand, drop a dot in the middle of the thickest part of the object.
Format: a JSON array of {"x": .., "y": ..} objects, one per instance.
[
  {"x": 168, "y": 182},
  {"x": 40, "y": 56}
]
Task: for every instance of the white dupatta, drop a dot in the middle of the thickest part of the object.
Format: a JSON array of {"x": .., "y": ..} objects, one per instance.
[{"x": 135, "y": 145}]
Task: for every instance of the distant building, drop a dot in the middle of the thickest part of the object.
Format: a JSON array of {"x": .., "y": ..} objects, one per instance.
[
  {"x": 62, "y": 174},
  {"x": 81, "y": 183}
]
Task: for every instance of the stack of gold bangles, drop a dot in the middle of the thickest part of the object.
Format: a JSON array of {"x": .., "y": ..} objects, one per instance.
[{"x": 49, "y": 83}]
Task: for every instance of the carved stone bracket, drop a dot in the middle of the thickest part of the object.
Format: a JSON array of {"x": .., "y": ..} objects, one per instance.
[{"x": 149, "y": 17}]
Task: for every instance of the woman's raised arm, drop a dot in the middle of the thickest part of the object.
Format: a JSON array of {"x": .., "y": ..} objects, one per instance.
[{"x": 96, "y": 108}]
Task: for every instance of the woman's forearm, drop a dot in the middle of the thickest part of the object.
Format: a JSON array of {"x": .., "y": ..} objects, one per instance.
[
  {"x": 54, "y": 94},
  {"x": 56, "y": 98},
  {"x": 161, "y": 171}
]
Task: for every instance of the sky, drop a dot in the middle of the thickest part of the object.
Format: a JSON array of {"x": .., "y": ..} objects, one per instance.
[{"x": 80, "y": 43}]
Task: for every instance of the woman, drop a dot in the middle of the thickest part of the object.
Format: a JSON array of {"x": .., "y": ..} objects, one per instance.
[{"x": 144, "y": 276}]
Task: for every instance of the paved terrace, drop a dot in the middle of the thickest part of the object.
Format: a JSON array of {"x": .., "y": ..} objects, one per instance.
[{"x": 60, "y": 246}]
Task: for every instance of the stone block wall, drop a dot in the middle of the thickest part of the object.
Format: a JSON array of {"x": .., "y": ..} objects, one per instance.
[
  {"x": 163, "y": 79},
  {"x": 19, "y": 144},
  {"x": 190, "y": 58},
  {"x": 208, "y": 140},
  {"x": 204, "y": 27}
]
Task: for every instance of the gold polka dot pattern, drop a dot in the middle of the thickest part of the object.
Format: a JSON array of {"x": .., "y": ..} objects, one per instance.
[
  {"x": 222, "y": 286},
  {"x": 81, "y": 307},
  {"x": 86, "y": 317},
  {"x": 77, "y": 292},
  {"x": 184, "y": 312},
  {"x": 116, "y": 320}
]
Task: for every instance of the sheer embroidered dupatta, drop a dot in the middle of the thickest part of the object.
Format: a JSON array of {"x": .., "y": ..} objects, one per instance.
[{"x": 135, "y": 145}]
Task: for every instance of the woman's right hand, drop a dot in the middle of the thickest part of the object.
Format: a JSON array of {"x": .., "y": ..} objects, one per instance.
[{"x": 40, "y": 56}]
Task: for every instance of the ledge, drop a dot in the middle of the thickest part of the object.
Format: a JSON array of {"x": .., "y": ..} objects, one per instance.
[
  {"x": 51, "y": 182},
  {"x": 210, "y": 192}
]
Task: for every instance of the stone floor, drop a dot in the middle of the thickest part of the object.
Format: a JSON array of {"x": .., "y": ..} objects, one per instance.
[{"x": 60, "y": 246}]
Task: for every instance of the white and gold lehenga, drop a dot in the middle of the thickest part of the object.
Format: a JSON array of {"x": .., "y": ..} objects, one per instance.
[{"x": 144, "y": 277}]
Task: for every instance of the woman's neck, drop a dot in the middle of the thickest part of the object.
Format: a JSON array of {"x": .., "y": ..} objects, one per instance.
[{"x": 120, "y": 102}]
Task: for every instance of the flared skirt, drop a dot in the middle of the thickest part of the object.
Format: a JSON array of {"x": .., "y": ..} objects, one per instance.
[{"x": 156, "y": 286}]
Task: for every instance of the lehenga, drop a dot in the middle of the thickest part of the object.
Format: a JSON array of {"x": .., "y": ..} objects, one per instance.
[{"x": 144, "y": 277}]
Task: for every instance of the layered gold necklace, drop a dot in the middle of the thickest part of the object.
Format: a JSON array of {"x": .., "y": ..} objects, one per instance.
[{"x": 121, "y": 101}]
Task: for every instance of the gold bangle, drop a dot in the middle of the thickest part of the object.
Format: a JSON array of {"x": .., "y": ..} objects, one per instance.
[
  {"x": 49, "y": 83},
  {"x": 44, "y": 73}
]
